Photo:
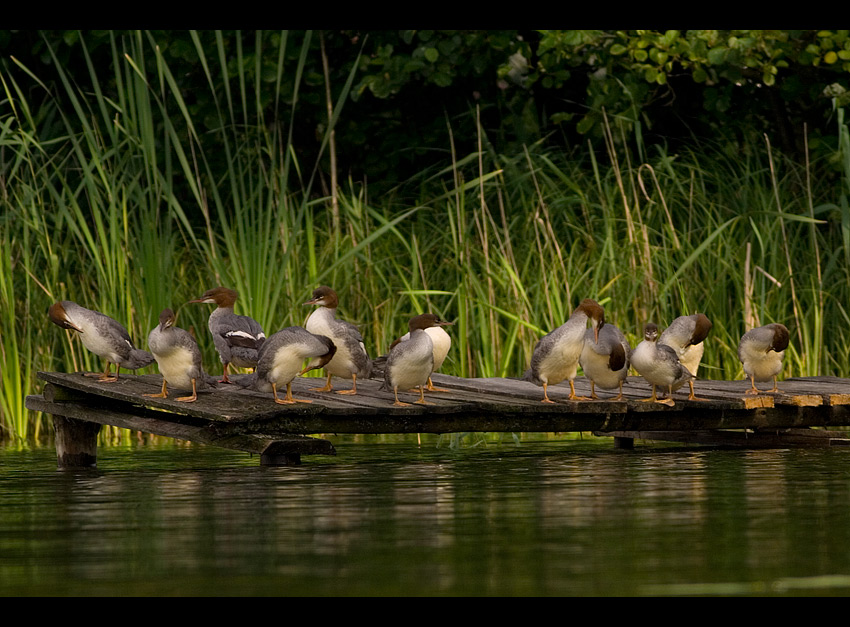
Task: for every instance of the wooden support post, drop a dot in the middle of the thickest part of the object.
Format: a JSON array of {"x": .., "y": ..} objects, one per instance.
[
  {"x": 624, "y": 443},
  {"x": 76, "y": 442},
  {"x": 282, "y": 459}
]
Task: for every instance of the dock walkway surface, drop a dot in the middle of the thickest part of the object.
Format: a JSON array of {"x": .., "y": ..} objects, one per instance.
[{"x": 802, "y": 414}]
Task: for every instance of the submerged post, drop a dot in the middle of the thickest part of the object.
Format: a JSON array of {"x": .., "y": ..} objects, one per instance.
[
  {"x": 624, "y": 443},
  {"x": 76, "y": 442}
]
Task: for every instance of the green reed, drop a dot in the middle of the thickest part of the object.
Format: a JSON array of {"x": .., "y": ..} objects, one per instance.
[{"x": 503, "y": 245}]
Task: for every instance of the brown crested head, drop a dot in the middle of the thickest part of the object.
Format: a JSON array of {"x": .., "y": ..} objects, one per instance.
[
  {"x": 322, "y": 360},
  {"x": 595, "y": 312},
  {"x": 221, "y": 296},
  {"x": 702, "y": 325},
  {"x": 426, "y": 321},
  {"x": 58, "y": 316},
  {"x": 781, "y": 337},
  {"x": 324, "y": 296}
]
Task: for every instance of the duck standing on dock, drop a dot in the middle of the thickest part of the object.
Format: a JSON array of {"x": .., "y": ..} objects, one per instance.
[
  {"x": 282, "y": 357},
  {"x": 178, "y": 357},
  {"x": 685, "y": 335},
  {"x": 606, "y": 360},
  {"x": 237, "y": 338},
  {"x": 350, "y": 360},
  {"x": 441, "y": 341},
  {"x": 103, "y": 336},
  {"x": 411, "y": 362},
  {"x": 761, "y": 351},
  {"x": 556, "y": 356},
  {"x": 659, "y": 365}
]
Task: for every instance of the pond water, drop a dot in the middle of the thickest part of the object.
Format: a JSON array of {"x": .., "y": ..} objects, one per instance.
[{"x": 542, "y": 516}]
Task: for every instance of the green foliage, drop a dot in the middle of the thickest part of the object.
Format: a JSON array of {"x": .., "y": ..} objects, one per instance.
[
  {"x": 628, "y": 71},
  {"x": 184, "y": 145}
]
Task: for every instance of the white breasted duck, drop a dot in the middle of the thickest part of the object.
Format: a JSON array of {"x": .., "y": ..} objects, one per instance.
[
  {"x": 441, "y": 341},
  {"x": 659, "y": 365},
  {"x": 102, "y": 335},
  {"x": 282, "y": 358},
  {"x": 556, "y": 355},
  {"x": 761, "y": 351},
  {"x": 605, "y": 359},
  {"x": 237, "y": 338},
  {"x": 685, "y": 335},
  {"x": 350, "y": 360},
  {"x": 178, "y": 357},
  {"x": 411, "y": 362}
]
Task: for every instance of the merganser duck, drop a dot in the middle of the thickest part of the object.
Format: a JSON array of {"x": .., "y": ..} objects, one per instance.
[
  {"x": 237, "y": 338},
  {"x": 761, "y": 351},
  {"x": 103, "y": 336},
  {"x": 659, "y": 365},
  {"x": 178, "y": 357},
  {"x": 411, "y": 362},
  {"x": 685, "y": 335},
  {"x": 441, "y": 341},
  {"x": 350, "y": 360},
  {"x": 282, "y": 357},
  {"x": 556, "y": 355},
  {"x": 605, "y": 360}
]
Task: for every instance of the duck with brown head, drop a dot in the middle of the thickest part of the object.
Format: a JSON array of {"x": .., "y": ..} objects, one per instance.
[
  {"x": 350, "y": 360},
  {"x": 556, "y": 355},
  {"x": 761, "y": 352},
  {"x": 102, "y": 335},
  {"x": 282, "y": 359},
  {"x": 605, "y": 361},
  {"x": 411, "y": 362},
  {"x": 237, "y": 338},
  {"x": 685, "y": 335}
]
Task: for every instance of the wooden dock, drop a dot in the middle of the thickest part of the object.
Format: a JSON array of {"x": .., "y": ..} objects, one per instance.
[{"x": 804, "y": 413}]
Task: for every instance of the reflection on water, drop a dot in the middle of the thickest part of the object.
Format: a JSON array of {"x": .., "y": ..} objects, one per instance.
[{"x": 385, "y": 517}]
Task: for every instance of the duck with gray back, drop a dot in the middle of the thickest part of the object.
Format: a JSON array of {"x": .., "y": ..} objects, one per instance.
[
  {"x": 237, "y": 339},
  {"x": 659, "y": 365},
  {"x": 103, "y": 336},
  {"x": 178, "y": 357},
  {"x": 761, "y": 351},
  {"x": 350, "y": 360},
  {"x": 685, "y": 335},
  {"x": 556, "y": 356}
]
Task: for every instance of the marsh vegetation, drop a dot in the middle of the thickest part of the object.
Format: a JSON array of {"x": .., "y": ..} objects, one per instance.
[{"x": 121, "y": 211}]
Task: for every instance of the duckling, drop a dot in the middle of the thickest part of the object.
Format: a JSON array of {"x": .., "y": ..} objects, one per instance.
[
  {"x": 761, "y": 351},
  {"x": 606, "y": 361},
  {"x": 685, "y": 335},
  {"x": 282, "y": 357},
  {"x": 237, "y": 338},
  {"x": 658, "y": 364},
  {"x": 350, "y": 360},
  {"x": 103, "y": 336},
  {"x": 178, "y": 357},
  {"x": 556, "y": 355}
]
